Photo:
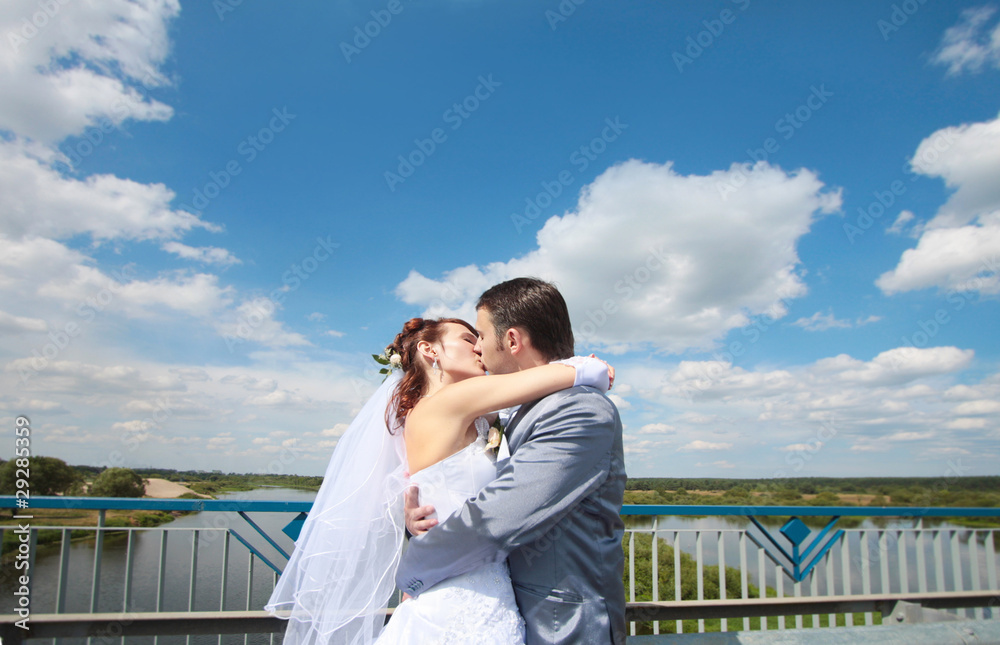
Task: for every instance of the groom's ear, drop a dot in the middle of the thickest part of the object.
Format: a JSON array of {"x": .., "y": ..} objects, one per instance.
[{"x": 515, "y": 340}]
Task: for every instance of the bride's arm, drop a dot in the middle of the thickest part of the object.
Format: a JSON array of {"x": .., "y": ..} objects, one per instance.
[
  {"x": 480, "y": 395},
  {"x": 437, "y": 427}
]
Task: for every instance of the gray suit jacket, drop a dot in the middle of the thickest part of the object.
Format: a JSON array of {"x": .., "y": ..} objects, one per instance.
[{"x": 554, "y": 512}]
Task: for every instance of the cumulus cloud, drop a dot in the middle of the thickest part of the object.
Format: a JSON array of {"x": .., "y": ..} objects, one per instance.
[
  {"x": 254, "y": 321},
  {"x": 801, "y": 447},
  {"x": 38, "y": 200},
  {"x": 959, "y": 249},
  {"x": 657, "y": 428},
  {"x": 698, "y": 444},
  {"x": 203, "y": 254},
  {"x": 251, "y": 383},
  {"x": 11, "y": 324},
  {"x": 653, "y": 258},
  {"x": 821, "y": 410},
  {"x": 981, "y": 406},
  {"x": 86, "y": 63},
  {"x": 971, "y": 45},
  {"x": 820, "y": 321},
  {"x": 902, "y": 222}
]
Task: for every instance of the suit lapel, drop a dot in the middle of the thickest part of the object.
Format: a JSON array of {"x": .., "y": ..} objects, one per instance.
[{"x": 515, "y": 421}]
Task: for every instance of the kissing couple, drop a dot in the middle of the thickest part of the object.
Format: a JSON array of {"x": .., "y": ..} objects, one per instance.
[{"x": 512, "y": 543}]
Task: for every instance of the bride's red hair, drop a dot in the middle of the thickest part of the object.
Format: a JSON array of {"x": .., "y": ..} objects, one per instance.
[{"x": 414, "y": 382}]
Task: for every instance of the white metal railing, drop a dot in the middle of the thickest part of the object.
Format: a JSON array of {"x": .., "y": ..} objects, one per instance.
[
  {"x": 866, "y": 561},
  {"x": 177, "y": 569}
]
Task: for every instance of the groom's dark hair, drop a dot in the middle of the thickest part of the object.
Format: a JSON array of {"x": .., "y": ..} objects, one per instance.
[{"x": 537, "y": 308}]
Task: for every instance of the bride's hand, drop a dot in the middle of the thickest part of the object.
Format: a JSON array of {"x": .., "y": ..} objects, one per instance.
[
  {"x": 414, "y": 514},
  {"x": 611, "y": 371}
]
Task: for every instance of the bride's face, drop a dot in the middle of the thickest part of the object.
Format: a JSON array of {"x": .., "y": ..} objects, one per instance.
[{"x": 457, "y": 357}]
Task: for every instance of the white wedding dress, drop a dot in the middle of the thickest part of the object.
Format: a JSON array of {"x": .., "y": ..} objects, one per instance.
[{"x": 477, "y": 607}]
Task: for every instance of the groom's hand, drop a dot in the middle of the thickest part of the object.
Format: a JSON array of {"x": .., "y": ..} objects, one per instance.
[{"x": 415, "y": 522}]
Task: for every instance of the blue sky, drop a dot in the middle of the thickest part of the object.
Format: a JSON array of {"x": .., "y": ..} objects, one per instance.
[{"x": 780, "y": 223}]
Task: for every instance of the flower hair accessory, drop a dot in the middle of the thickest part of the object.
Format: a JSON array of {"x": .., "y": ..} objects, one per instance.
[{"x": 390, "y": 359}]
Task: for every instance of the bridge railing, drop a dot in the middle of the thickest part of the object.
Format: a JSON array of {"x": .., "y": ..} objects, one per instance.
[{"x": 683, "y": 580}]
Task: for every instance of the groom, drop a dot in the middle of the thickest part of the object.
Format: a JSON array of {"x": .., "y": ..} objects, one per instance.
[{"x": 553, "y": 510}]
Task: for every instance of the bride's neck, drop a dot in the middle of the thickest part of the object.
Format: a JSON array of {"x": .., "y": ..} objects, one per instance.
[{"x": 434, "y": 384}]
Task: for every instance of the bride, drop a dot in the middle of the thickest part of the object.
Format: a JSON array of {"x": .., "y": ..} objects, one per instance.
[{"x": 340, "y": 578}]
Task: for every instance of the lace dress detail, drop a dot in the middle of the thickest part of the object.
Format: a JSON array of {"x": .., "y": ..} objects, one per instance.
[{"x": 475, "y": 607}]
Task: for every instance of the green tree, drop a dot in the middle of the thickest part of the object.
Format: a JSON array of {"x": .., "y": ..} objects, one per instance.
[
  {"x": 118, "y": 482},
  {"x": 45, "y": 475}
]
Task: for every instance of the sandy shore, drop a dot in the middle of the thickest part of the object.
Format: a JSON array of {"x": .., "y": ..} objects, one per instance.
[{"x": 164, "y": 489}]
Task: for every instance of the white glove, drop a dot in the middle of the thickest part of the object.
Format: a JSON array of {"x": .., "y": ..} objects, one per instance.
[{"x": 591, "y": 372}]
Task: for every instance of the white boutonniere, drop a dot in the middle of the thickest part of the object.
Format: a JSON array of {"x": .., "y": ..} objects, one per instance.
[{"x": 494, "y": 435}]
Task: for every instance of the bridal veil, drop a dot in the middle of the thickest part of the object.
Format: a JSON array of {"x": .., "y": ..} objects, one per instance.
[{"x": 340, "y": 578}]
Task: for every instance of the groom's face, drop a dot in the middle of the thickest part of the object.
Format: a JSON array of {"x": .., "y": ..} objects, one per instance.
[{"x": 495, "y": 356}]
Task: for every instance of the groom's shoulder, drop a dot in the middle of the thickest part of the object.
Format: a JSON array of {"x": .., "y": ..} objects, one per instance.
[{"x": 580, "y": 397}]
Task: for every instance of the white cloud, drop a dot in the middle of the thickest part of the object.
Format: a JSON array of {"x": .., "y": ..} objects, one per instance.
[
  {"x": 801, "y": 447},
  {"x": 959, "y": 249},
  {"x": 652, "y": 257},
  {"x": 336, "y": 431},
  {"x": 959, "y": 259},
  {"x": 910, "y": 436},
  {"x": 899, "y": 365},
  {"x": 22, "y": 405},
  {"x": 276, "y": 398},
  {"x": 901, "y": 397},
  {"x": 865, "y": 446},
  {"x": 90, "y": 62},
  {"x": 334, "y": 333},
  {"x": 698, "y": 444},
  {"x": 11, "y": 324},
  {"x": 37, "y": 200},
  {"x": 905, "y": 217},
  {"x": 620, "y": 403},
  {"x": 204, "y": 254},
  {"x": 657, "y": 428},
  {"x": 972, "y": 44},
  {"x": 822, "y": 322},
  {"x": 221, "y": 441},
  {"x": 977, "y": 407},
  {"x": 252, "y": 383},
  {"x": 966, "y": 423},
  {"x": 254, "y": 320}
]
